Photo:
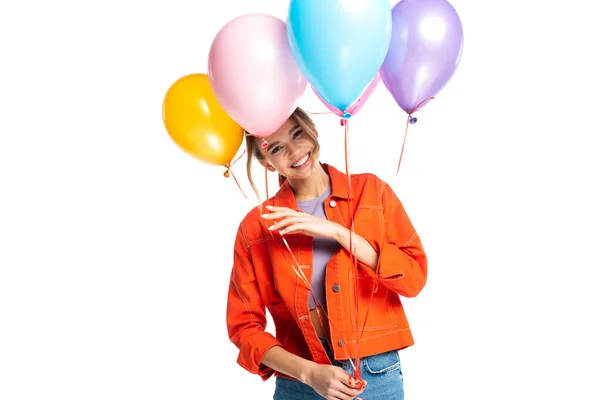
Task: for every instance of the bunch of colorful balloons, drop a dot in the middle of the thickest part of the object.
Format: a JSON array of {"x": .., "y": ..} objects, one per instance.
[{"x": 259, "y": 67}]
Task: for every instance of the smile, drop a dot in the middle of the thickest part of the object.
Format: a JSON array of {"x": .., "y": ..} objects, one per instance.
[{"x": 301, "y": 161}]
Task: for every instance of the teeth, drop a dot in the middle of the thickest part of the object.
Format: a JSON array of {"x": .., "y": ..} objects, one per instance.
[{"x": 301, "y": 162}]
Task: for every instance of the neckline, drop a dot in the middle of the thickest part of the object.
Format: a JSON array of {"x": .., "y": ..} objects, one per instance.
[{"x": 320, "y": 197}]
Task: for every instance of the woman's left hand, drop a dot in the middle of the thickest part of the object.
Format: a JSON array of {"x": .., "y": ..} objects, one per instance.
[{"x": 295, "y": 221}]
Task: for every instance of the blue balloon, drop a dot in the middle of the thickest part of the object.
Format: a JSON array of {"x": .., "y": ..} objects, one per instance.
[{"x": 339, "y": 45}]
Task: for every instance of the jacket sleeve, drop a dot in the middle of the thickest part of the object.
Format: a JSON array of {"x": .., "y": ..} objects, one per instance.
[
  {"x": 246, "y": 318},
  {"x": 402, "y": 263}
]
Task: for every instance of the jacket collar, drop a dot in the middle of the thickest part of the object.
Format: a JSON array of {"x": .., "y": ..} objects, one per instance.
[{"x": 339, "y": 188}]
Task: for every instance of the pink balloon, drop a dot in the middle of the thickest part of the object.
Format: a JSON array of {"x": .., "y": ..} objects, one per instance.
[
  {"x": 357, "y": 105},
  {"x": 253, "y": 73}
]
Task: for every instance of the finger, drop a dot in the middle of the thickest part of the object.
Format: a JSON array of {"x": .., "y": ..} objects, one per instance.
[
  {"x": 300, "y": 226},
  {"x": 285, "y": 222},
  {"x": 350, "y": 393},
  {"x": 297, "y": 227},
  {"x": 274, "y": 215},
  {"x": 273, "y": 208},
  {"x": 342, "y": 387},
  {"x": 348, "y": 386},
  {"x": 336, "y": 395},
  {"x": 344, "y": 396},
  {"x": 281, "y": 214}
]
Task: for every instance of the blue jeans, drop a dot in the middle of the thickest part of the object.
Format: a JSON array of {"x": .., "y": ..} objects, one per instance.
[{"x": 381, "y": 371}]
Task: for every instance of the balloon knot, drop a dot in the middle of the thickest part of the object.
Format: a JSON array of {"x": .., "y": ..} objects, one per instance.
[
  {"x": 345, "y": 117},
  {"x": 412, "y": 120},
  {"x": 227, "y": 173},
  {"x": 264, "y": 144}
]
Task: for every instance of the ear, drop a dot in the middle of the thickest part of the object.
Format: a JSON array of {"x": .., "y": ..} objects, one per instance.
[{"x": 264, "y": 163}]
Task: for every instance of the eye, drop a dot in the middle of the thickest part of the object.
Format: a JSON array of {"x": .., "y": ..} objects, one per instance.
[
  {"x": 297, "y": 134},
  {"x": 275, "y": 149}
]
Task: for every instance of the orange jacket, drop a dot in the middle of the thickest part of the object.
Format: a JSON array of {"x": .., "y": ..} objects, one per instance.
[{"x": 263, "y": 276}]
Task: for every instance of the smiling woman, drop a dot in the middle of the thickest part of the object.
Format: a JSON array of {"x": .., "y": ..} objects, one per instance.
[{"x": 335, "y": 309}]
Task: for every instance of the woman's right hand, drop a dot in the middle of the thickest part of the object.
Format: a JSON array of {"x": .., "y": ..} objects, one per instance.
[{"x": 332, "y": 382}]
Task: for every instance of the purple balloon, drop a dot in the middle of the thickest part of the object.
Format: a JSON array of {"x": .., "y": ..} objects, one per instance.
[{"x": 426, "y": 46}]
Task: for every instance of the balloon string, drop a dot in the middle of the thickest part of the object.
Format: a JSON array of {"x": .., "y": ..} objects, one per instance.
[
  {"x": 403, "y": 142},
  {"x": 409, "y": 121},
  {"x": 318, "y": 304},
  {"x": 420, "y": 104},
  {"x": 238, "y": 159},
  {"x": 300, "y": 273},
  {"x": 320, "y": 112},
  {"x": 264, "y": 146},
  {"x": 229, "y": 172},
  {"x": 297, "y": 268},
  {"x": 353, "y": 259}
]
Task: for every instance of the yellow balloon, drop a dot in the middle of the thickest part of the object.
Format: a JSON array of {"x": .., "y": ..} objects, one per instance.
[{"x": 197, "y": 123}]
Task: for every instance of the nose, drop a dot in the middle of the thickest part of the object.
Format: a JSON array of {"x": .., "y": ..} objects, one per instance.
[{"x": 293, "y": 149}]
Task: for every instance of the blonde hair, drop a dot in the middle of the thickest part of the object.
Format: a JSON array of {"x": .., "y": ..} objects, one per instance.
[{"x": 254, "y": 149}]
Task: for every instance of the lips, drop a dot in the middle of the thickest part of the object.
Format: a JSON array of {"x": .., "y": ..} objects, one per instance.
[{"x": 301, "y": 161}]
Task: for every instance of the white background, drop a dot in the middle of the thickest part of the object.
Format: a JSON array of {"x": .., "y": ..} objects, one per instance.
[{"x": 113, "y": 281}]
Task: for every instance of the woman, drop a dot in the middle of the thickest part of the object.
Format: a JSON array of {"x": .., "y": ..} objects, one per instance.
[{"x": 292, "y": 257}]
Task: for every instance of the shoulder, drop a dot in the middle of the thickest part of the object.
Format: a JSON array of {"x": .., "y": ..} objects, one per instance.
[
  {"x": 254, "y": 214},
  {"x": 368, "y": 177},
  {"x": 369, "y": 182},
  {"x": 251, "y": 226}
]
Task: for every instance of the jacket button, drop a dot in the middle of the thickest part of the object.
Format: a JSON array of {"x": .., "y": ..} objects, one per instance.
[
  {"x": 336, "y": 288},
  {"x": 332, "y": 203},
  {"x": 341, "y": 343}
]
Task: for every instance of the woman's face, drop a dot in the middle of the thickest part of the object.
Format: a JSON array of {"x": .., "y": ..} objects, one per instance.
[{"x": 290, "y": 151}]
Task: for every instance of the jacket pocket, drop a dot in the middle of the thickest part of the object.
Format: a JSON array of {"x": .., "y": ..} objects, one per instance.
[
  {"x": 382, "y": 363},
  {"x": 376, "y": 307}
]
